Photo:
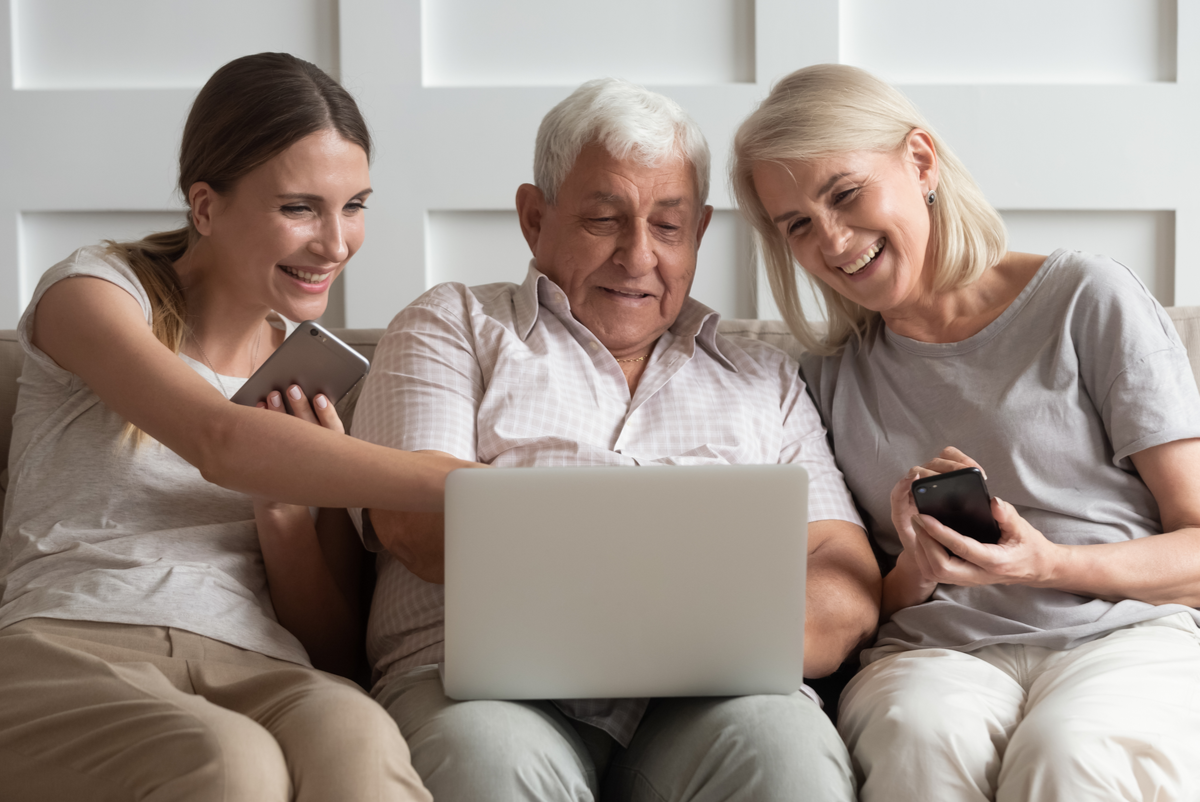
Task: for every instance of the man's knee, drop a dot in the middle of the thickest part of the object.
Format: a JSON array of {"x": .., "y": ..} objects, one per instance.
[
  {"x": 484, "y": 750},
  {"x": 784, "y": 743},
  {"x": 753, "y": 748}
]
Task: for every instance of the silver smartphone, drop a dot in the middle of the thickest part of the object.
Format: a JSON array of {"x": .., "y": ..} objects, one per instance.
[{"x": 312, "y": 358}]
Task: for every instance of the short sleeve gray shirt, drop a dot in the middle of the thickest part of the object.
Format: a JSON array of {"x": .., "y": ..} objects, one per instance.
[{"x": 1081, "y": 371}]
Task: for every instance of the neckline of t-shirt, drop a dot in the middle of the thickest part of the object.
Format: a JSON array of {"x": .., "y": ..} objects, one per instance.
[
  {"x": 991, "y": 330},
  {"x": 231, "y": 383},
  {"x": 237, "y": 381}
]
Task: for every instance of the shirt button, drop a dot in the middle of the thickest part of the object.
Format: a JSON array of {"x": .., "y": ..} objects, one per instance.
[
  {"x": 560, "y": 298},
  {"x": 594, "y": 345}
]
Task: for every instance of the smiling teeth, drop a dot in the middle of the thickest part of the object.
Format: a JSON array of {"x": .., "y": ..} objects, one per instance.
[
  {"x": 311, "y": 278},
  {"x": 864, "y": 259}
]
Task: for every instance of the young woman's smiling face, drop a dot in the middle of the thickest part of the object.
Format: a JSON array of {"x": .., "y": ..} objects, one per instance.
[
  {"x": 857, "y": 221},
  {"x": 287, "y": 228}
]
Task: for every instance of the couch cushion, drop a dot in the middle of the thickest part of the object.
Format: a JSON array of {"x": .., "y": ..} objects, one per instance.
[
  {"x": 774, "y": 332},
  {"x": 1186, "y": 319},
  {"x": 11, "y": 359}
]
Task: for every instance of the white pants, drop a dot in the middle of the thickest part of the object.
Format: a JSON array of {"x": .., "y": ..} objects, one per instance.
[{"x": 1117, "y": 718}]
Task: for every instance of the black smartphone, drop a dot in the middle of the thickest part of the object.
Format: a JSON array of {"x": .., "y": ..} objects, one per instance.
[
  {"x": 960, "y": 500},
  {"x": 312, "y": 358}
]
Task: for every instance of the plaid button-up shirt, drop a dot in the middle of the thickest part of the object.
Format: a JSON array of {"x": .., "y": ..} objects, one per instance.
[{"x": 503, "y": 374}]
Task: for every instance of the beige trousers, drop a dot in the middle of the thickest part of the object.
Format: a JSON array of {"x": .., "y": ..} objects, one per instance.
[
  {"x": 92, "y": 711},
  {"x": 1117, "y": 718}
]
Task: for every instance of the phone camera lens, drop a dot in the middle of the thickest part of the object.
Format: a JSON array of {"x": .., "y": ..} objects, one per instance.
[
  {"x": 920, "y": 490},
  {"x": 313, "y": 332}
]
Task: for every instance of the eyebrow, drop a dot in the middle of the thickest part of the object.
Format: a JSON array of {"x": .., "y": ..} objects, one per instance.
[
  {"x": 824, "y": 188},
  {"x": 308, "y": 196},
  {"x": 608, "y": 197},
  {"x": 829, "y": 184}
]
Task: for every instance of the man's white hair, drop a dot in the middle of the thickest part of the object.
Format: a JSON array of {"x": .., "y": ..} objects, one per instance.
[{"x": 630, "y": 121}]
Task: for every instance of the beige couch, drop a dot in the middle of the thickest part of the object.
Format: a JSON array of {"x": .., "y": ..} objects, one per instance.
[{"x": 1186, "y": 318}]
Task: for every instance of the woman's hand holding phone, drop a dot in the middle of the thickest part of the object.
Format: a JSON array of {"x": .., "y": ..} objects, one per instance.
[
  {"x": 940, "y": 555},
  {"x": 321, "y": 412}
]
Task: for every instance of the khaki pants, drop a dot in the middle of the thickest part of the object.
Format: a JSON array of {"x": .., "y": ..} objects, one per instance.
[
  {"x": 92, "y": 711},
  {"x": 1117, "y": 718}
]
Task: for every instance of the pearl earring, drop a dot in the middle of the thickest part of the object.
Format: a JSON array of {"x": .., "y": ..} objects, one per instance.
[{"x": 931, "y": 197}]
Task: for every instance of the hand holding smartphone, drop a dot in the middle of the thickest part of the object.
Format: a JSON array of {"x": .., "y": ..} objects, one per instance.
[
  {"x": 960, "y": 501},
  {"x": 312, "y": 358}
]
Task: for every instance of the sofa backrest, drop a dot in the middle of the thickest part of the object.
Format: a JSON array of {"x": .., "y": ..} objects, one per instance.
[{"x": 1186, "y": 319}]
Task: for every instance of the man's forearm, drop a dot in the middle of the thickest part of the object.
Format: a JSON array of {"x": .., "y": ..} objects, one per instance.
[
  {"x": 416, "y": 539},
  {"x": 842, "y": 595}
]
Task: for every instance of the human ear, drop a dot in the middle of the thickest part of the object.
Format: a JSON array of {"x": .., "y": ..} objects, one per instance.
[
  {"x": 705, "y": 219},
  {"x": 201, "y": 200},
  {"x": 923, "y": 155},
  {"x": 531, "y": 206}
]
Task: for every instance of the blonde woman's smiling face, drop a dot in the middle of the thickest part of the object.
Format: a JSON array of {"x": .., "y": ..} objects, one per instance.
[{"x": 857, "y": 221}]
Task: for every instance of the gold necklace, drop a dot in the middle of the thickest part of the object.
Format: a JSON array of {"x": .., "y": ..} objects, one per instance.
[
  {"x": 253, "y": 359},
  {"x": 635, "y": 359}
]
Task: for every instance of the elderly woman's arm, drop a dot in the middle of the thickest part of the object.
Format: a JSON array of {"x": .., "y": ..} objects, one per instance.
[
  {"x": 841, "y": 595},
  {"x": 1163, "y": 569}
]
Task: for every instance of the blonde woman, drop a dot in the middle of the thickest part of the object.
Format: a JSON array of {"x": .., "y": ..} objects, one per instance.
[
  {"x": 163, "y": 589},
  {"x": 1061, "y": 662}
]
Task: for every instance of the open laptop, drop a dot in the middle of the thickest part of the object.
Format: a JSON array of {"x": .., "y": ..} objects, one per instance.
[{"x": 571, "y": 583}]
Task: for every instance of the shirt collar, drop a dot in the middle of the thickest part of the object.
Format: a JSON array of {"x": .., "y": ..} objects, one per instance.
[
  {"x": 525, "y": 300},
  {"x": 695, "y": 322}
]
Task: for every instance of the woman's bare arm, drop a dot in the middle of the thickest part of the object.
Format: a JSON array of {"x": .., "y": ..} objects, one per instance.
[
  {"x": 97, "y": 331},
  {"x": 1163, "y": 569}
]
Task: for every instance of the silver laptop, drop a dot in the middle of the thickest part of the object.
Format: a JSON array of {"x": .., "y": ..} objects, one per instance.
[{"x": 572, "y": 583}]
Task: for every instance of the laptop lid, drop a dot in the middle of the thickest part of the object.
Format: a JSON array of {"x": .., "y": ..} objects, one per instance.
[{"x": 611, "y": 582}]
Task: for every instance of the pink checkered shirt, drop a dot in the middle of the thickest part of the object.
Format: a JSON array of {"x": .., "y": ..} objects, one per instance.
[{"x": 503, "y": 374}]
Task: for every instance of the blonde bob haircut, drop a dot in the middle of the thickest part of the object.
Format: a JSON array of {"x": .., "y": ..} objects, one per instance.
[{"x": 828, "y": 109}]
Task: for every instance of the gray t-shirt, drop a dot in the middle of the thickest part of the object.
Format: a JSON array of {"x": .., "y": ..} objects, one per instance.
[
  {"x": 1082, "y": 370},
  {"x": 96, "y": 530}
]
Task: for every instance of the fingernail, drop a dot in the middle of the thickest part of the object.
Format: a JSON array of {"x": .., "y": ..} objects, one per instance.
[
  {"x": 321, "y": 402},
  {"x": 294, "y": 392},
  {"x": 276, "y": 399}
]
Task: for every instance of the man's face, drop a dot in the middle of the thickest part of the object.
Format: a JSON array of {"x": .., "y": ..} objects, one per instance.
[{"x": 621, "y": 242}]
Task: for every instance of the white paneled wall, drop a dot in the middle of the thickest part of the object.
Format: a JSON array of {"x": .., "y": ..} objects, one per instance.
[
  {"x": 142, "y": 44},
  {"x": 45, "y": 238},
  {"x": 543, "y": 43},
  {"x": 1144, "y": 241},
  {"x": 1076, "y": 117},
  {"x": 1013, "y": 42}
]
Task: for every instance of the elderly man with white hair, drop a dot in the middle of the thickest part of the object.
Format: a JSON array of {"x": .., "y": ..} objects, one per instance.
[{"x": 600, "y": 357}]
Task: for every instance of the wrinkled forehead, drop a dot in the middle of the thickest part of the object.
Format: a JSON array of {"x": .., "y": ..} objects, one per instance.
[{"x": 598, "y": 175}]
